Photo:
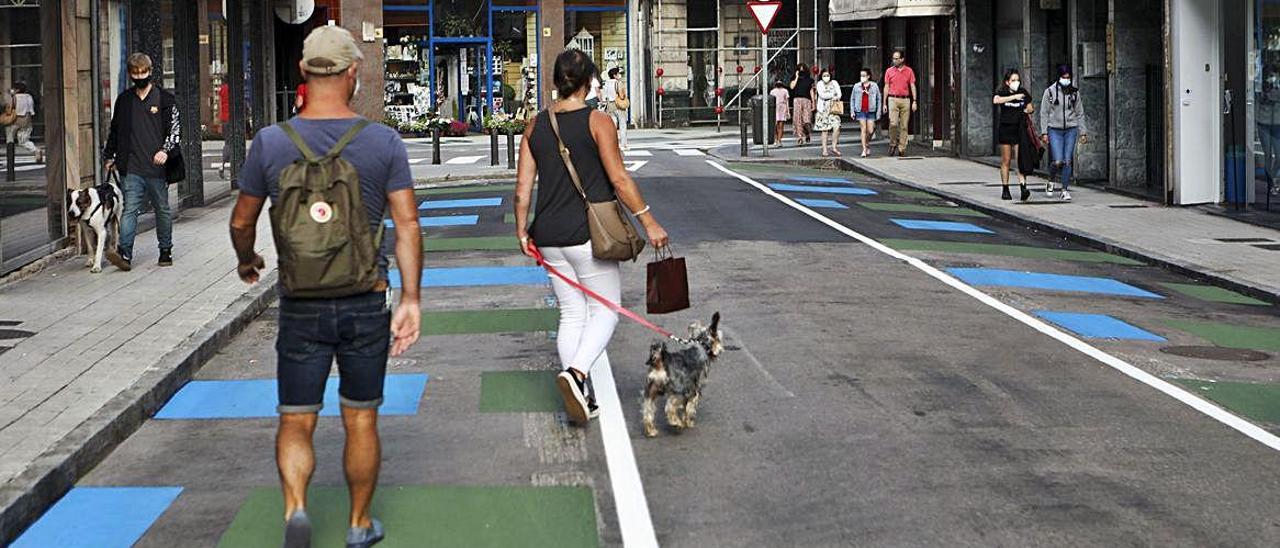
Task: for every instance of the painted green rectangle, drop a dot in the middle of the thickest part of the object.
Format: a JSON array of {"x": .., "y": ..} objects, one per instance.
[
  {"x": 914, "y": 194},
  {"x": 464, "y": 189},
  {"x": 916, "y": 208},
  {"x": 519, "y": 392},
  {"x": 521, "y": 320},
  {"x": 433, "y": 515},
  {"x": 483, "y": 243},
  {"x": 1231, "y": 336},
  {"x": 1256, "y": 401},
  {"x": 1026, "y": 252},
  {"x": 510, "y": 218},
  {"x": 1213, "y": 294}
]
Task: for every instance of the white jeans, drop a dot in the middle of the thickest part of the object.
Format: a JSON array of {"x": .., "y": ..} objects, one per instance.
[
  {"x": 585, "y": 325},
  {"x": 19, "y": 133},
  {"x": 620, "y": 120}
]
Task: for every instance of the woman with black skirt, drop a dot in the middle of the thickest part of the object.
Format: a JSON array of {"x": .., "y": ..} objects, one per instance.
[{"x": 1014, "y": 103}]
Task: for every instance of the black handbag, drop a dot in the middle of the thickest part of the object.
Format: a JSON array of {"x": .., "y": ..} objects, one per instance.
[{"x": 175, "y": 168}]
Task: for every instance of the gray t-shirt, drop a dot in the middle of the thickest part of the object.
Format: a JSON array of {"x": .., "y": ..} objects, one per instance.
[{"x": 377, "y": 153}]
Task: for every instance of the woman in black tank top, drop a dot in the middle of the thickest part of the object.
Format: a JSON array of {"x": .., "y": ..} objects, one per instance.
[{"x": 559, "y": 227}]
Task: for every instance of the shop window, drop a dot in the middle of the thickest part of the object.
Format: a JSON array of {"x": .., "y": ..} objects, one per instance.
[
  {"x": 25, "y": 201},
  {"x": 461, "y": 18},
  {"x": 515, "y": 62}
]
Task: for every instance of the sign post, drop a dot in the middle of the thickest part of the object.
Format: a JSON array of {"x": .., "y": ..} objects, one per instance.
[{"x": 764, "y": 13}]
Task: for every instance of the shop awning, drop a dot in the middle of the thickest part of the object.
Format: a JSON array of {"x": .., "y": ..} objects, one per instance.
[{"x": 862, "y": 10}]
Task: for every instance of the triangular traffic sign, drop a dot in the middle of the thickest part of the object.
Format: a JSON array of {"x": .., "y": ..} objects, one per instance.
[{"x": 764, "y": 12}]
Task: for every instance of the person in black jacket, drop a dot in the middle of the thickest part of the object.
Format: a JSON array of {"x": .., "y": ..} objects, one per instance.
[{"x": 143, "y": 144}]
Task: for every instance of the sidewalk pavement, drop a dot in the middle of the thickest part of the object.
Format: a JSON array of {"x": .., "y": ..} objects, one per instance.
[
  {"x": 85, "y": 358},
  {"x": 1239, "y": 256}
]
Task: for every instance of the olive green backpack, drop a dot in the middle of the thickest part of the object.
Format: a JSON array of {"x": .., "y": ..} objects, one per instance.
[{"x": 320, "y": 226}]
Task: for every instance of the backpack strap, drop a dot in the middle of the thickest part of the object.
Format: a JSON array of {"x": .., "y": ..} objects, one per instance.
[
  {"x": 347, "y": 137},
  {"x": 298, "y": 142}
]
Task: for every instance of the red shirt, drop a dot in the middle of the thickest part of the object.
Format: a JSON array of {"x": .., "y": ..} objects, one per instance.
[
  {"x": 897, "y": 81},
  {"x": 224, "y": 103},
  {"x": 866, "y": 99}
]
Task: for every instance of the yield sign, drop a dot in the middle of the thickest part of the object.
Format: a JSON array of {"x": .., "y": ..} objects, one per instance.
[{"x": 764, "y": 12}]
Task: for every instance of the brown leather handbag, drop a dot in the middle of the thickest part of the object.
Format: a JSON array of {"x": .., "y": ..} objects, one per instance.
[{"x": 613, "y": 237}]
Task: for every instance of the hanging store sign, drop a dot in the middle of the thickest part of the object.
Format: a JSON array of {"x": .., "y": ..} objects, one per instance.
[
  {"x": 863, "y": 10},
  {"x": 295, "y": 12}
]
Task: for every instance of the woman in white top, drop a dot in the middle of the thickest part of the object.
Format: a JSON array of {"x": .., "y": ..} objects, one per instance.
[
  {"x": 593, "y": 94},
  {"x": 19, "y": 132},
  {"x": 827, "y": 91},
  {"x": 613, "y": 90}
]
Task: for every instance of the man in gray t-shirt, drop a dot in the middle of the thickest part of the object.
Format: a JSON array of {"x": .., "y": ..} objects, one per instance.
[{"x": 356, "y": 330}]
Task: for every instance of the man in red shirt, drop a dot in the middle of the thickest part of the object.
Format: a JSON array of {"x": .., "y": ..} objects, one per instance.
[
  {"x": 899, "y": 101},
  {"x": 224, "y": 116}
]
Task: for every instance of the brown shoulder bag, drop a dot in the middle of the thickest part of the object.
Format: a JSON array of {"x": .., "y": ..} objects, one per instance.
[{"x": 613, "y": 237}]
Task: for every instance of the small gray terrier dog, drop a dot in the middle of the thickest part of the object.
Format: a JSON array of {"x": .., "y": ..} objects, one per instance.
[{"x": 677, "y": 370}]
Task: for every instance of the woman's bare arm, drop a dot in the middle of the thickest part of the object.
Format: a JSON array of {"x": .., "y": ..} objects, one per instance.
[{"x": 526, "y": 172}]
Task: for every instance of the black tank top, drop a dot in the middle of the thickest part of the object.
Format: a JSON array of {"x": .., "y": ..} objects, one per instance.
[{"x": 560, "y": 217}]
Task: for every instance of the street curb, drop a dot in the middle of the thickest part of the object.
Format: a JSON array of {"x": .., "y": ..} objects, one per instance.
[
  {"x": 1225, "y": 281},
  {"x": 51, "y": 475},
  {"x": 460, "y": 180}
]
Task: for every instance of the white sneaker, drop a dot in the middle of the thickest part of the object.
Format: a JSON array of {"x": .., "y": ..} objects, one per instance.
[{"x": 1066, "y": 196}]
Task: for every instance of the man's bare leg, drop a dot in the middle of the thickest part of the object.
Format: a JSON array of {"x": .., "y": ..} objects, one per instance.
[
  {"x": 361, "y": 460},
  {"x": 296, "y": 458}
]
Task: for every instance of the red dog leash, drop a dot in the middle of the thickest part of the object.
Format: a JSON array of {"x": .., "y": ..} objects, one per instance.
[{"x": 537, "y": 256}]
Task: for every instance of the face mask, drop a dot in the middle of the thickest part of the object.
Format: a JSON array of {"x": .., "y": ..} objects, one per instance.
[
  {"x": 1065, "y": 82},
  {"x": 1013, "y": 86},
  {"x": 356, "y": 90},
  {"x": 864, "y": 79},
  {"x": 826, "y": 78},
  {"x": 140, "y": 83}
]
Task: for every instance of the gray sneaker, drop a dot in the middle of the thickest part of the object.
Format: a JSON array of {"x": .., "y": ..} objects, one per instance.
[
  {"x": 364, "y": 537},
  {"x": 297, "y": 531}
]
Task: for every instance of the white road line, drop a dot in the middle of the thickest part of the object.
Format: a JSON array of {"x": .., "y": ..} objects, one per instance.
[
  {"x": 689, "y": 152},
  {"x": 464, "y": 160},
  {"x": 760, "y": 366},
  {"x": 635, "y": 165},
  {"x": 637, "y": 152},
  {"x": 415, "y": 161},
  {"x": 1216, "y": 413},
  {"x": 624, "y": 476}
]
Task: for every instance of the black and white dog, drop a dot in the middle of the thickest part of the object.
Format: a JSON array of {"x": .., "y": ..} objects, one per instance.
[
  {"x": 98, "y": 209},
  {"x": 677, "y": 371}
]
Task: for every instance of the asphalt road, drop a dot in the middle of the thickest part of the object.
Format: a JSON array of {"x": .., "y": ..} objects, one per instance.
[{"x": 861, "y": 402}]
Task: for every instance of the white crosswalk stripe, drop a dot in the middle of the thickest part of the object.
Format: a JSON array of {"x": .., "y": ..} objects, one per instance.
[
  {"x": 641, "y": 153},
  {"x": 464, "y": 160},
  {"x": 635, "y": 165},
  {"x": 689, "y": 152}
]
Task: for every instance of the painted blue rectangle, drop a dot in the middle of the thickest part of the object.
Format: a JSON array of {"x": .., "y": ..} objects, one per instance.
[
  {"x": 443, "y": 220},
  {"x": 825, "y": 204},
  {"x": 99, "y": 517},
  {"x": 849, "y": 190},
  {"x": 461, "y": 203},
  {"x": 257, "y": 398},
  {"x": 477, "y": 276},
  {"x": 808, "y": 179},
  {"x": 1055, "y": 282},
  {"x": 941, "y": 226},
  {"x": 1098, "y": 326}
]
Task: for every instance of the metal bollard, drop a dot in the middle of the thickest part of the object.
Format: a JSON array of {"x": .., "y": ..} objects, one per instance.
[
  {"x": 493, "y": 147},
  {"x": 435, "y": 146},
  {"x": 10, "y": 155},
  {"x": 743, "y": 133},
  {"x": 511, "y": 150}
]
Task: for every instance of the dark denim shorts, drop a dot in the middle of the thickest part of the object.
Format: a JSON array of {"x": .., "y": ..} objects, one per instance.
[{"x": 356, "y": 330}]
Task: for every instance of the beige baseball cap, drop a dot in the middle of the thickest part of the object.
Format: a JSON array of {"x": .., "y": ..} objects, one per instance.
[{"x": 329, "y": 50}]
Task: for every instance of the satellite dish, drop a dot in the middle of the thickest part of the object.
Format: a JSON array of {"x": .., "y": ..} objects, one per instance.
[{"x": 295, "y": 12}]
